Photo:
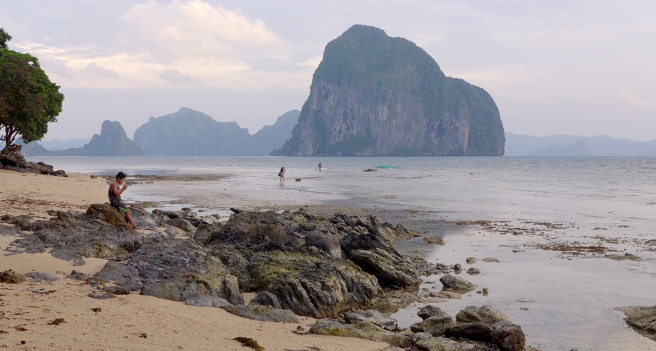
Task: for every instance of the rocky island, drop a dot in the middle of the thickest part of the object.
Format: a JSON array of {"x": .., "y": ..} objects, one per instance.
[{"x": 373, "y": 95}]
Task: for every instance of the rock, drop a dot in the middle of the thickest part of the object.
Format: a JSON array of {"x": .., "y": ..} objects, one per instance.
[
  {"x": 457, "y": 268},
  {"x": 473, "y": 271},
  {"x": 471, "y": 260},
  {"x": 207, "y": 301},
  {"x": 434, "y": 240},
  {"x": 12, "y": 159},
  {"x": 391, "y": 270},
  {"x": 484, "y": 314},
  {"x": 372, "y": 316},
  {"x": 476, "y": 331},
  {"x": 262, "y": 313},
  {"x": 450, "y": 282},
  {"x": 430, "y": 311},
  {"x": 642, "y": 319},
  {"x": 179, "y": 269},
  {"x": 508, "y": 336},
  {"x": 490, "y": 260},
  {"x": 362, "y": 330},
  {"x": 378, "y": 85},
  {"x": 266, "y": 298},
  {"x": 108, "y": 213},
  {"x": 117, "y": 276},
  {"x": 42, "y": 277},
  {"x": 328, "y": 243},
  {"x": 72, "y": 236},
  {"x": 11, "y": 277},
  {"x": 437, "y": 325},
  {"x": 204, "y": 233},
  {"x": 182, "y": 224},
  {"x": 313, "y": 287},
  {"x": 444, "y": 344}
]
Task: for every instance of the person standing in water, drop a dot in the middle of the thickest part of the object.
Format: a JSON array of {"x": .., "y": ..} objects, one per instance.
[
  {"x": 114, "y": 193},
  {"x": 320, "y": 169},
  {"x": 281, "y": 174}
]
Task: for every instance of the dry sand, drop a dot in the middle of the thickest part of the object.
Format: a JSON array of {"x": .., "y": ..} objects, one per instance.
[{"x": 60, "y": 315}]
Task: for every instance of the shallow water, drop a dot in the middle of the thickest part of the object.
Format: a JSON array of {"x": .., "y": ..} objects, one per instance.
[{"x": 562, "y": 300}]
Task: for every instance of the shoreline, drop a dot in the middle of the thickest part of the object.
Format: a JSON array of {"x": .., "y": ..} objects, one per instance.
[
  {"x": 459, "y": 246},
  {"x": 569, "y": 263},
  {"x": 127, "y": 322}
]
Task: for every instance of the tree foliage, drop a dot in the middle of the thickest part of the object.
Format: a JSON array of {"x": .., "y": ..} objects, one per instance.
[
  {"x": 28, "y": 99},
  {"x": 4, "y": 38}
]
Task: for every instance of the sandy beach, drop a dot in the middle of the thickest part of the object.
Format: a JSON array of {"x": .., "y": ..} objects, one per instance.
[{"x": 59, "y": 315}]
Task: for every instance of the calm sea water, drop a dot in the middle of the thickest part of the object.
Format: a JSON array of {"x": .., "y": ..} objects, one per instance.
[{"x": 563, "y": 301}]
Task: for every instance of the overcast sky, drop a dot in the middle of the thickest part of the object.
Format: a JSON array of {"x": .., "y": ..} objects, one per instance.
[{"x": 576, "y": 67}]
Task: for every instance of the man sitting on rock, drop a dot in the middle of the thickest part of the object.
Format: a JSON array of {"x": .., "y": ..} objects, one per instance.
[{"x": 115, "y": 197}]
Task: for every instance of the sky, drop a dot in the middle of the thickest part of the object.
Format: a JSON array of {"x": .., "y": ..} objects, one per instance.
[{"x": 553, "y": 67}]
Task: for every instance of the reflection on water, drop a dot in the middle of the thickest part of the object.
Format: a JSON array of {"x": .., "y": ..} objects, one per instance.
[{"x": 562, "y": 300}]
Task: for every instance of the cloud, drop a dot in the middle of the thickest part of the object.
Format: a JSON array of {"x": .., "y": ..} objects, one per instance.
[
  {"x": 179, "y": 29},
  {"x": 175, "y": 76},
  {"x": 633, "y": 100},
  {"x": 101, "y": 72}
]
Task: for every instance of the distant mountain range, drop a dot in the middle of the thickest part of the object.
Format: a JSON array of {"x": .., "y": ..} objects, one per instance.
[
  {"x": 573, "y": 145},
  {"x": 192, "y": 133},
  {"x": 184, "y": 133},
  {"x": 274, "y": 136},
  {"x": 112, "y": 141}
]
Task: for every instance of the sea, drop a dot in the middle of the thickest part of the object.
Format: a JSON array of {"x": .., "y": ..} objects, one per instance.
[{"x": 566, "y": 240}]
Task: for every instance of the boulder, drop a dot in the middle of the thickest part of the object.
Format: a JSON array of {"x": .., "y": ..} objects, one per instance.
[
  {"x": 476, "y": 331},
  {"x": 430, "y": 311},
  {"x": 310, "y": 286},
  {"x": 435, "y": 325},
  {"x": 207, "y": 301},
  {"x": 484, "y": 314},
  {"x": 179, "y": 269},
  {"x": 266, "y": 298},
  {"x": 108, "y": 213},
  {"x": 361, "y": 330},
  {"x": 11, "y": 277},
  {"x": 372, "y": 316},
  {"x": 508, "y": 336},
  {"x": 444, "y": 344},
  {"x": 450, "y": 282},
  {"x": 262, "y": 313},
  {"x": 389, "y": 269}
]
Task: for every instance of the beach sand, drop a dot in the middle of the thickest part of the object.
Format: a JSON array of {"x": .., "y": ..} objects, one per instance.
[{"x": 60, "y": 315}]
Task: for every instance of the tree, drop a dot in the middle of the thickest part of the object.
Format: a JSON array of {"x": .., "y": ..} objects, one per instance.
[
  {"x": 28, "y": 99},
  {"x": 4, "y": 38}
]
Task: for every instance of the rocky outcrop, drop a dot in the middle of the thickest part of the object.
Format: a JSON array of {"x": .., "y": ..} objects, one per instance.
[
  {"x": 12, "y": 159},
  {"x": 642, "y": 319},
  {"x": 437, "y": 332},
  {"x": 288, "y": 258},
  {"x": 373, "y": 95},
  {"x": 295, "y": 260}
]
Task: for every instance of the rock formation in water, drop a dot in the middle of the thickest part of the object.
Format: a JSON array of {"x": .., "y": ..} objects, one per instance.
[
  {"x": 376, "y": 95},
  {"x": 192, "y": 133}
]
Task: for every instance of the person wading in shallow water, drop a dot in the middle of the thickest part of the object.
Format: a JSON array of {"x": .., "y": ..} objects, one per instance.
[
  {"x": 281, "y": 174},
  {"x": 115, "y": 191}
]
